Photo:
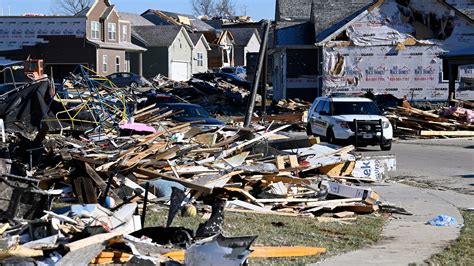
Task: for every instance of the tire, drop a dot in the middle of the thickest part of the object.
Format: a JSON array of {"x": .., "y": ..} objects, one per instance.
[
  {"x": 330, "y": 138},
  {"x": 387, "y": 146},
  {"x": 309, "y": 132},
  {"x": 133, "y": 85}
]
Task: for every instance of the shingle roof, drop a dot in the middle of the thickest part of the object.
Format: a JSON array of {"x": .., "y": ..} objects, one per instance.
[
  {"x": 293, "y": 10},
  {"x": 242, "y": 35},
  {"x": 330, "y": 15},
  {"x": 135, "y": 19},
  {"x": 195, "y": 37},
  {"x": 156, "y": 35},
  {"x": 107, "y": 12}
]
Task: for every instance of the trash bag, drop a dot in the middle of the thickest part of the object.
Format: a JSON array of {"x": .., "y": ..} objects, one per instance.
[{"x": 443, "y": 220}]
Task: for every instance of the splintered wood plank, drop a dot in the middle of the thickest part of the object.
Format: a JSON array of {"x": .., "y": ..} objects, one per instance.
[
  {"x": 294, "y": 161},
  {"x": 447, "y": 133},
  {"x": 142, "y": 155},
  {"x": 280, "y": 162}
]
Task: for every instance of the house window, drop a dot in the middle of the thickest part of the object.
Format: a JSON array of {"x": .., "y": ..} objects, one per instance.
[
  {"x": 105, "y": 66},
  {"x": 112, "y": 30},
  {"x": 200, "y": 59},
  {"x": 95, "y": 30},
  {"x": 124, "y": 33},
  {"x": 117, "y": 64}
]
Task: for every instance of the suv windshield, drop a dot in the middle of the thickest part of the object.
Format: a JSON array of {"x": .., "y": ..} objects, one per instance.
[{"x": 355, "y": 108}]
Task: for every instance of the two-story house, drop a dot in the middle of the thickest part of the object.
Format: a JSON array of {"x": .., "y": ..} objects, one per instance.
[{"x": 96, "y": 37}]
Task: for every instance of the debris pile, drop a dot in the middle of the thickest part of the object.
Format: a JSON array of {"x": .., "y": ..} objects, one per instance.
[
  {"x": 82, "y": 194},
  {"x": 211, "y": 91},
  {"x": 444, "y": 122}
]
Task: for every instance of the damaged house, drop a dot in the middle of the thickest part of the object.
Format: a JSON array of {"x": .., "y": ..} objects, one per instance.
[
  {"x": 387, "y": 47},
  {"x": 97, "y": 37}
]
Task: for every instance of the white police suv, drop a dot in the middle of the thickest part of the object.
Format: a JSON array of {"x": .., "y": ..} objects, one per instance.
[{"x": 351, "y": 120}]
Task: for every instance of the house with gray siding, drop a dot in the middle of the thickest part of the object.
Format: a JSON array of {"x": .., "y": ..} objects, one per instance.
[
  {"x": 200, "y": 53},
  {"x": 169, "y": 51},
  {"x": 246, "y": 40}
]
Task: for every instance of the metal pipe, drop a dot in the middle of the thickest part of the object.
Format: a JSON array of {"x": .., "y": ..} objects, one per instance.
[
  {"x": 145, "y": 202},
  {"x": 256, "y": 80}
]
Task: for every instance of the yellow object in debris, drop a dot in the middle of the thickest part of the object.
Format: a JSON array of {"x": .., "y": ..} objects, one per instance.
[{"x": 265, "y": 252}]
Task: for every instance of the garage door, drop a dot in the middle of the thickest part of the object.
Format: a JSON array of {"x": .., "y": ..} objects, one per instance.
[{"x": 179, "y": 71}]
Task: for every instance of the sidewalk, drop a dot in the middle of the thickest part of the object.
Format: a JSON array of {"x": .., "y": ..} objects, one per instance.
[{"x": 406, "y": 239}]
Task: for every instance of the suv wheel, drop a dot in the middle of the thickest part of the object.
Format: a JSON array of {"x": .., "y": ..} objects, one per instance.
[
  {"x": 387, "y": 146},
  {"x": 330, "y": 137}
]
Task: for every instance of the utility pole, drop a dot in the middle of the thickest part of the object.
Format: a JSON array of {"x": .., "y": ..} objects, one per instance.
[{"x": 256, "y": 80}]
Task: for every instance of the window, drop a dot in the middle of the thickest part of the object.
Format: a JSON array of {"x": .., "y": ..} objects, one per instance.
[
  {"x": 112, "y": 30},
  {"x": 200, "y": 59},
  {"x": 105, "y": 66},
  {"x": 124, "y": 33},
  {"x": 95, "y": 30},
  {"x": 320, "y": 106},
  {"x": 356, "y": 108},
  {"x": 326, "y": 109},
  {"x": 117, "y": 64}
]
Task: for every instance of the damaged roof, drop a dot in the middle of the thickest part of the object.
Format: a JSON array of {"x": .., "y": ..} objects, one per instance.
[
  {"x": 293, "y": 10},
  {"x": 135, "y": 19},
  {"x": 242, "y": 36},
  {"x": 328, "y": 16},
  {"x": 159, "y": 17}
]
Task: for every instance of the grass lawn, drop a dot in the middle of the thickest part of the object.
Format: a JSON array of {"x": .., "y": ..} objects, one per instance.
[
  {"x": 273, "y": 230},
  {"x": 461, "y": 252}
]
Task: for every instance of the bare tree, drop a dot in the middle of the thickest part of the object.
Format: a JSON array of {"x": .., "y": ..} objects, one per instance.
[
  {"x": 204, "y": 7},
  {"x": 214, "y": 8},
  {"x": 225, "y": 8},
  {"x": 69, "y": 7}
]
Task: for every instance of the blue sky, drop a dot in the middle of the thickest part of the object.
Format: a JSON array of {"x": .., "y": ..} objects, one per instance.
[{"x": 257, "y": 9}]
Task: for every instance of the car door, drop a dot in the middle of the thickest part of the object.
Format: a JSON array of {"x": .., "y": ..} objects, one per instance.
[
  {"x": 325, "y": 117},
  {"x": 318, "y": 125}
]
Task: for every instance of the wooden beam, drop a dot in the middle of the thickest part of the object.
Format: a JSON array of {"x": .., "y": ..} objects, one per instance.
[{"x": 266, "y": 252}]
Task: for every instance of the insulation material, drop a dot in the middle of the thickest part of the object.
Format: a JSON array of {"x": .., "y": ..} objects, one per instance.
[
  {"x": 382, "y": 26},
  {"x": 427, "y": 21}
]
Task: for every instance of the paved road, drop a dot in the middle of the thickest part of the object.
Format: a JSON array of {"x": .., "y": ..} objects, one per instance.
[{"x": 440, "y": 163}]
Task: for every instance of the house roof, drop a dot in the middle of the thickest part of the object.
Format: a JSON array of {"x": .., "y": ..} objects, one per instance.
[
  {"x": 107, "y": 12},
  {"x": 196, "y": 37},
  {"x": 119, "y": 46},
  {"x": 293, "y": 10},
  {"x": 158, "y": 35},
  {"x": 195, "y": 23},
  {"x": 242, "y": 36},
  {"x": 328, "y": 16},
  {"x": 135, "y": 19},
  {"x": 466, "y": 52}
]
